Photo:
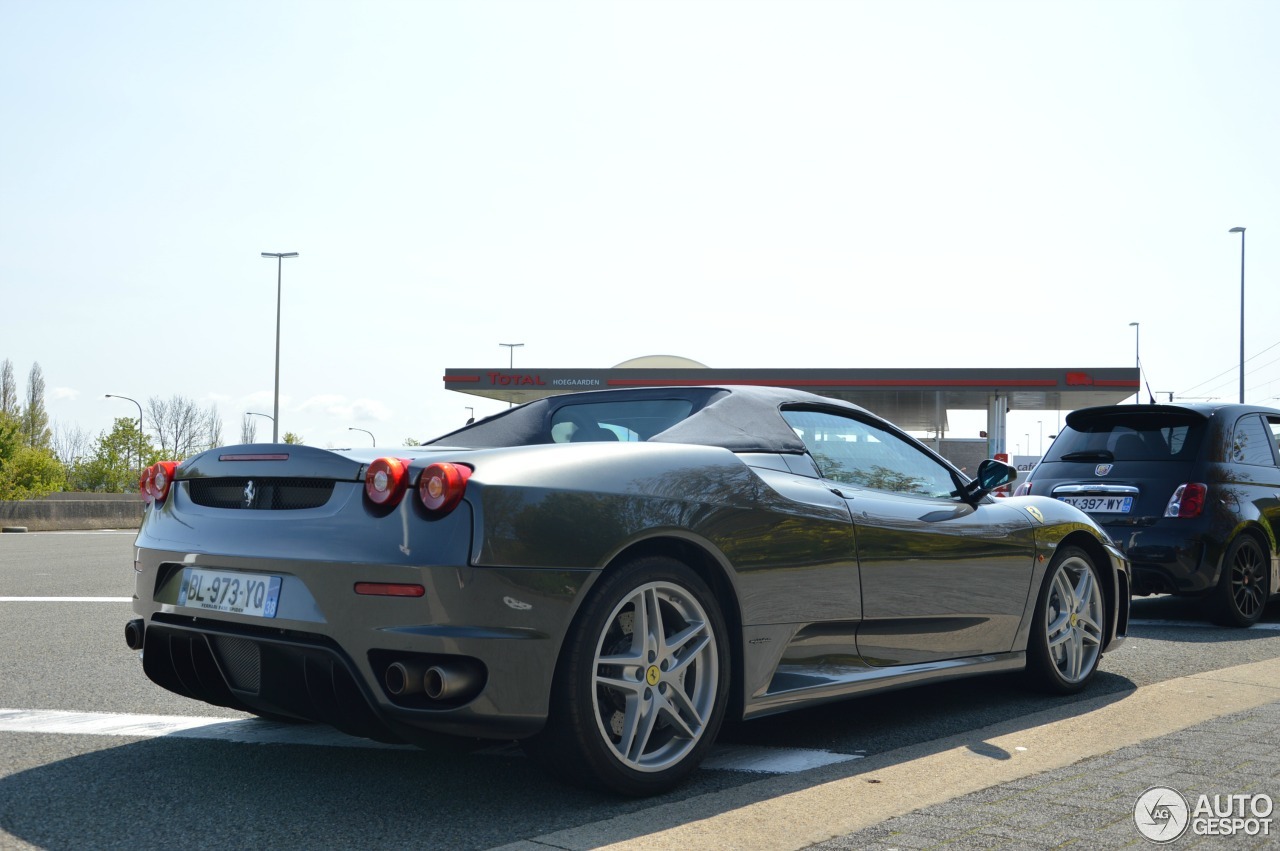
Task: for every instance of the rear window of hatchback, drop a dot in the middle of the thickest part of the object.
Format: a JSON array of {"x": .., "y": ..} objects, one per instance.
[{"x": 1122, "y": 436}]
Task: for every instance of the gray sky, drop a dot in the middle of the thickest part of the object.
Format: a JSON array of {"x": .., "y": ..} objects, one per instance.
[{"x": 767, "y": 184}]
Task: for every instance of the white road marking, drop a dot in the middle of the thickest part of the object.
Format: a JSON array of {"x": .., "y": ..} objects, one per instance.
[
  {"x": 1197, "y": 624},
  {"x": 249, "y": 731},
  {"x": 771, "y": 760},
  {"x": 66, "y": 599},
  {"x": 258, "y": 731}
]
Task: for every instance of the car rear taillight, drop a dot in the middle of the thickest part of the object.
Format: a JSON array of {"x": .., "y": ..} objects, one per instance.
[
  {"x": 1023, "y": 489},
  {"x": 156, "y": 481},
  {"x": 441, "y": 486},
  {"x": 1187, "y": 500},
  {"x": 384, "y": 482}
]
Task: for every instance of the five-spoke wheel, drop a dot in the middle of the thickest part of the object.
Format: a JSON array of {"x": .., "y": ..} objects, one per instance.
[
  {"x": 640, "y": 691},
  {"x": 1067, "y": 633}
]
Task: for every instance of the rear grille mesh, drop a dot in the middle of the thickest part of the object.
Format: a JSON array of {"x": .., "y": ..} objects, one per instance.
[{"x": 265, "y": 494}]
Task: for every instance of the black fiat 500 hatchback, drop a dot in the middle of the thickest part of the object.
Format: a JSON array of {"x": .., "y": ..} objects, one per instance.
[{"x": 1191, "y": 493}]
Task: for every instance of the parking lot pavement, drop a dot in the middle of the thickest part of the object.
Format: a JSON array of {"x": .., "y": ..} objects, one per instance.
[{"x": 1094, "y": 803}]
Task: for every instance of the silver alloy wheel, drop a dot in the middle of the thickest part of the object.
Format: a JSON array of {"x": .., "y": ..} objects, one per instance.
[
  {"x": 656, "y": 674},
  {"x": 1073, "y": 618}
]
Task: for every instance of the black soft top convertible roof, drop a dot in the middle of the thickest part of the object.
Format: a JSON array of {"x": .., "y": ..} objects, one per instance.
[{"x": 738, "y": 418}]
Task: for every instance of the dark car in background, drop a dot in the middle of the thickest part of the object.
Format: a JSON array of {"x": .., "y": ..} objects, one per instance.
[{"x": 1191, "y": 493}]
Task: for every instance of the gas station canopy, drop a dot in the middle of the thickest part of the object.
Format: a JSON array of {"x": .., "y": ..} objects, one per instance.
[{"x": 914, "y": 399}]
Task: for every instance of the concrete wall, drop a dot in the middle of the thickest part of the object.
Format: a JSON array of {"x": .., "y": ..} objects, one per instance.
[{"x": 64, "y": 511}]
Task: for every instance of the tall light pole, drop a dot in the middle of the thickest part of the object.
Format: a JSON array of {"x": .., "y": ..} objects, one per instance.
[
  {"x": 366, "y": 431},
  {"x": 1137, "y": 359},
  {"x": 1241, "y": 232},
  {"x": 268, "y": 416},
  {"x": 275, "y": 425},
  {"x": 134, "y": 401},
  {"x": 511, "y": 347},
  {"x": 1041, "y": 424},
  {"x": 511, "y": 361}
]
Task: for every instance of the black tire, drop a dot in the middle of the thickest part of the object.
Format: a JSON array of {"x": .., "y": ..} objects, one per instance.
[
  {"x": 630, "y": 711},
  {"x": 1245, "y": 584},
  {"x": 1065, "y": 645}
]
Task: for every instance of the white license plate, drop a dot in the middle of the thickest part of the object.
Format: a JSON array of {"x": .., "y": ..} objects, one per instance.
[
  {"x": 230, "y": 591},
  {"x": 1100, "y": 504}
]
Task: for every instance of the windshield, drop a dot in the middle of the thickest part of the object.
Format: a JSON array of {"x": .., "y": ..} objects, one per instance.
[{"x": 1123, "y": 436}]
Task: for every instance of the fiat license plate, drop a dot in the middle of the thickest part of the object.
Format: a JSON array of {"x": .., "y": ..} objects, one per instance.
[
  {"x": 230, "y": 591},
  {"x": 1100, "y": 504}
]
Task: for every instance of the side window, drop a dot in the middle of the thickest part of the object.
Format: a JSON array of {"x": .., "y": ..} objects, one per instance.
[
  {"x": 1253, "y": 442},
  {"x": 856, "y": 452},
  {"x": 1273, "y": 427}
]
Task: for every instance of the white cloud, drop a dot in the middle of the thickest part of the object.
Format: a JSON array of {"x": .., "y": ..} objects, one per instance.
[{"x": 60, "y": 393}]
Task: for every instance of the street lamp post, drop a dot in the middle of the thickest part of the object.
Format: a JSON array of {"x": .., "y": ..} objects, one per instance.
[
  {"x": 1241, "y": 232},
  {"x": 1041, "y": 424},
  {"x": 511, "y": 347},
  {"x": 366, "y": 431},
  {"x": 280, "y": 256},
  {"x": 134, "y": 401},
  {"x": 471, "y": 414},
  {"x": 1137, "y": 360},
  {"x": 268, "y": 416}
]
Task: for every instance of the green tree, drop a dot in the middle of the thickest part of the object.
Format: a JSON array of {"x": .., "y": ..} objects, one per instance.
[
  {"x": 31, "y": 473},
  {"x": 34, "y": 418},
  {"x": 113, "y": 465},
  {"x": 290, "y": 437},
  {"x": 10, "y": 436},
  {"x": 8, "y": 389}
]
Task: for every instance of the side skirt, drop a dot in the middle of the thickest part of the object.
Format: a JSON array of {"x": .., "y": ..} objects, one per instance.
[{"x": 793, "y": 687}]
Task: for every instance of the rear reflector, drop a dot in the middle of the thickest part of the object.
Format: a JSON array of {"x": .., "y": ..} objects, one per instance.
[{"x": 389, "y": 589}]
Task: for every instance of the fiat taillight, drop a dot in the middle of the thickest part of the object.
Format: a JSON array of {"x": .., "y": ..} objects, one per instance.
[{"x": 1187, "y": 500}]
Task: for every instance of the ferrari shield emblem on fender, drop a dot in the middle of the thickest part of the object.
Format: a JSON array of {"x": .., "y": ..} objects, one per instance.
[
  {"x": 1035, "y": 512},
  {"x": 1102, "y": 469}
]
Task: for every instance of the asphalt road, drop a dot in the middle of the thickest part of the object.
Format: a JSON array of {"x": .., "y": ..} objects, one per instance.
[{"x": 73, "y": 789}]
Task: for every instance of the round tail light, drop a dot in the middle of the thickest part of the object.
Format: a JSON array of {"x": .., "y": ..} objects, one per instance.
[
  {"x": 384, "y": 482},
  {"x": 441, "y": 486},
  {"x": 157, "y": 480}
]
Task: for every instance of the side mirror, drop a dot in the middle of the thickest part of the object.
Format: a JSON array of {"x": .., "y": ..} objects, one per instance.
[{"x": 991, "y": 475}]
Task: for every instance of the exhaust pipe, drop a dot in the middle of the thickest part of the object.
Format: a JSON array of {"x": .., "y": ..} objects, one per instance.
[
  {"x": 443, "y": 682},
  {"x": 404, "y": 678},
  {"x": 133, "y": 633}
]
